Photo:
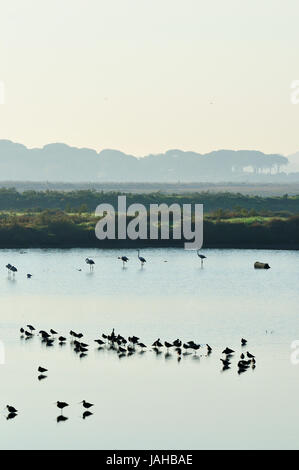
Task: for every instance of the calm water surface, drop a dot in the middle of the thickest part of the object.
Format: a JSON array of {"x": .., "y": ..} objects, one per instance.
[{"x": 148, "y": 401}]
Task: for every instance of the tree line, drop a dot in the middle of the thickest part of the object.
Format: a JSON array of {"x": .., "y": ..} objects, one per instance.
[{"x": 88, "y": 200}]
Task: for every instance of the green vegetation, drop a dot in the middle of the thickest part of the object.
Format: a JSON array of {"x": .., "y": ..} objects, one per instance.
[
  {"x": 55, "y": 228},
  {"x": 87, "y": 200},
  {"x": 66, "y": 219}
]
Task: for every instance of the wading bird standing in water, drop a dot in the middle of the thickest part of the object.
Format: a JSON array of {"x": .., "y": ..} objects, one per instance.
[
  {"x": 124, "y": 259},
  {"x": 90, "y": 262},
  {"x": 31, "y": 328},
  {"x": 11, "y": 409},
  {"x": 86, "y": 404},
  {"x": 13, "y": 269},
  {"x": 202, "y": 257},
  {"x": 61, "y": 405},
  {"x": 8, "y": 267},
  {"x": 141, "y": 259}
]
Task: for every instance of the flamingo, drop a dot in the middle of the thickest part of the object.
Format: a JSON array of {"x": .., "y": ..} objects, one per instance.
[
  {"x": 124, "y": 259},
  {"x": 141, "y": 259},
  {"x": 11, "y": 268},
  {"x": 8, "y": 267},
  {"x": 90, "y": 262},
  {"x": 202, "y": 257}
]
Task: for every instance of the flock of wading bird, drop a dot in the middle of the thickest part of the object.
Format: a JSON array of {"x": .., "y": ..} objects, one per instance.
[
  {"x": 126, "y": 347},
  {"x": 91, "y": 263}
]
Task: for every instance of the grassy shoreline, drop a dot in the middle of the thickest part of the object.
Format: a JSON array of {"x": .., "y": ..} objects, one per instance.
[
  {"x": 58, "y": 229},
  {"x": 58, "y": 219}
]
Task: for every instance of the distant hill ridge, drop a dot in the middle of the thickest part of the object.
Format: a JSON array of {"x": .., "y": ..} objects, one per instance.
[{"x": 60, "y": 162}]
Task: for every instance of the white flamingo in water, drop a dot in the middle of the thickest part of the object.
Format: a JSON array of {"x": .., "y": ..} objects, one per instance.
[
  {"x": 141, "y": 259},
  {"x": 202, "y": 257},
  {"x": 90, "y": 262}
]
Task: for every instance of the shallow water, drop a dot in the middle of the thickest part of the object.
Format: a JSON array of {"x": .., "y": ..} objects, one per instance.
[{"x": 147, "y": 401}]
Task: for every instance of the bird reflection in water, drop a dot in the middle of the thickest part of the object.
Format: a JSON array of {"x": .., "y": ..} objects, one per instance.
[
  {"x": 61, "y": 419},
  {"x": 42, "y": 377}
]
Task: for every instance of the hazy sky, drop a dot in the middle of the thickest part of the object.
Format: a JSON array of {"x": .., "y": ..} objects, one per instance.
[{"x": 139, "y": 75}]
